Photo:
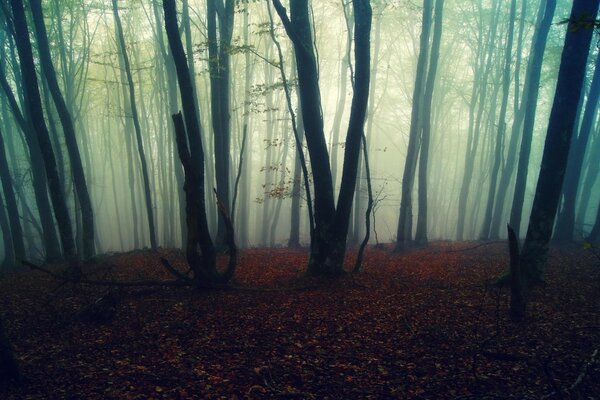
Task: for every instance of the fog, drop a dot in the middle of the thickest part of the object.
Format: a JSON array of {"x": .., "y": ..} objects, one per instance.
[{"x": 475, "y": 105}]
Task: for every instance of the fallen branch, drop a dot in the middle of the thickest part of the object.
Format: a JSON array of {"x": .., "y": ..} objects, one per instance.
[
  {"x": 173, "y": 271},
  {"x": 66, "y": 278},
  {"x": 173, "y": 283}
]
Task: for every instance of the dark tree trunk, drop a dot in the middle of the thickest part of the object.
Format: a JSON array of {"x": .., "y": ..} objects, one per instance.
[
  {"x": 331, "y": 227},
  {"x": 565, "y": 226},
  {"x": 532, "y": 84},
  {"x": 34, "y": 105},
  {"x": 358, "y": 114},
  {"x": 405, "y": 221},
  {"x": 299, "y": 30},
  {"x": 558, "y": 138},
  {"x": 485, "y": 51},
  {"x": 49, "y": 237},
  {"x": 83, "y": 196},
  {"x": 137, "y": 127},
  {"x": 421, "y": 231},
  {"x": 191, "y": 154},
  {"x": 220, "y": 15},
  {"x": 511, "y": 158},
  {"x": 501, "y": 133},
  {"x": 11, "y": 204},
  {"x": 9, "y": 261}
]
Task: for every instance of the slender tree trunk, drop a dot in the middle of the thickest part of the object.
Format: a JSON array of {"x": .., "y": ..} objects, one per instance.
[
  {"x": 299, "y": 30},
  {"x": 9, "y": 261},
  {"x": 356, "y": 133},
  {"x": 421, "y": 232},
  {"x": 220, "y": 13},
  {"x": 66, "y": 120},
  {"x": 136, "y": 124},
  {"x": 191, "y": 154},
  {"x": 483, "y": 68},
  {"x": 565, "y": 226},
  {"x": 532, "y": 84},
  {"x": 518, "y": 114},
  {"x": 558, "y": 138},
  {"x": 33, "y": 101},
  {"x": 500, "y": 137},
  {"x": 16, "y": 233},
  {"x": 49, "y": 237},
  {"x": 405, "y": 221},
  {"x": 341, "y": 101}
]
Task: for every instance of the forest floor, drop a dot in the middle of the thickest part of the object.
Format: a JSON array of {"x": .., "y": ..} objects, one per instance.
[{"x": 424, "y": 324}]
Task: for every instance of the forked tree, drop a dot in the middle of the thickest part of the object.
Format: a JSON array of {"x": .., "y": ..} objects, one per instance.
[
  {"x": 328, "y": 240},
  {"x": 200, "y": 252}
]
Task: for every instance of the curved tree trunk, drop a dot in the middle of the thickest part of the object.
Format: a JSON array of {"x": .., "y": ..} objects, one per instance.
[
  {"x": 421, "y": 231},
  {"x": 34, "y": 104},
  {"x": 220, "y": 13},
  {"x": 136, "y": 124},
  {"x": 532, "y": 84},
  {"x": 83, "y": 196},
  {"x": 191, "y": 154},
  {"x": 405, "y": 221},
  {"x": 558, "y": 139}
]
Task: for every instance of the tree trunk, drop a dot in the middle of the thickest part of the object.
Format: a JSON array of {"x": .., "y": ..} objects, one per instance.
[
  {"x": 500, "y": 136},
  {"x": 191, "y": 154},
  {"x": 565, "y": 226},
  {"x": 558, "y": 138},
  {"x": 532, "y": 83},
  {"x": 220, "y": 13},
  {"x": 11, "y": 205},
  {"x": 331, "y": 226},
  {"x": 136, "y": 124},
  {"x": 34, "y": 104},
  {"x": 83, "y": 196},
  {"x": 49, "y": 237},
  {"x": 421, "y": 232},
  {"x": 405, "y": 222}
]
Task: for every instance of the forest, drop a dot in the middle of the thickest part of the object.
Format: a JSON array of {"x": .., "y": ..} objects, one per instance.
[{"x": 333, "y": 199}]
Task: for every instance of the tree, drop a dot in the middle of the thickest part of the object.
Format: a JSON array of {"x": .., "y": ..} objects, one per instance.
[
  {"x": 34, "y": 106},
  {"x": 136, "y": 124},
  {"x": 48, "y": 231},
  {"x": 421, "y": 231},
  {"x": 66, "y": 120},
  {"x": 14, "y": 225},
  {"x": 532, "y": 83},
  {"x": 328, "y": 244},
  {"x": 558, "y": 139},
  {"x": 220, "y": 14},
  {"x": 405, "y": 220},
  {"x": 565, "y": 225},
  {"x": 200, "y": 249},
  {"x": 500, "y": 136}
]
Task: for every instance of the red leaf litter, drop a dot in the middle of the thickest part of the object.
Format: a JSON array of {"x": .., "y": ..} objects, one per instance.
[{"x": 424, "y": 324}]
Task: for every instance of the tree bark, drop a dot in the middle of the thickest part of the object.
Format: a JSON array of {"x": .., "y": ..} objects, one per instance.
[
  {"x": 565, "y": 226},
  {"x": 405, "y": 220},
  {"x": 532, "y": 84},
  {"x": 220, "y": 16},
  {"x": 421, "y": 232},
  {"x": 66, "y": 120},
  {"x": 34, "y": 105},
  {"x": 558, "y": 139},
  {"x": 137, "y": 127},
  {"x": 191, "y": 154}
]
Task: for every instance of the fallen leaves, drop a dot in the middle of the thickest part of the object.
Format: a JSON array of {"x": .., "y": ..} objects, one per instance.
[{"x": 409, "y": 326}]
